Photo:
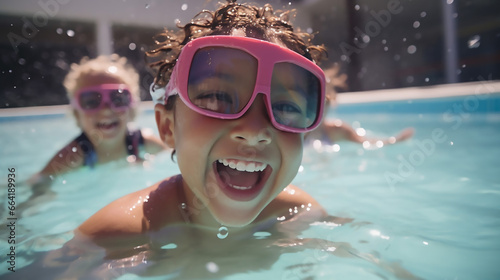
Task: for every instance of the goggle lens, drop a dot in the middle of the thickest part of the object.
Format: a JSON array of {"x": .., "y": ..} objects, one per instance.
[
  {"x": 223, "y": 80},
  {"x": 295, "y": 94},
  {"x": 92, "y": 100},
  {"x": 121, "y": 98}
]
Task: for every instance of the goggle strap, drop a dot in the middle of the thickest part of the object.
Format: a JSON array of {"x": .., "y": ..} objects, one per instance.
[{"x": 157, "y": 94}]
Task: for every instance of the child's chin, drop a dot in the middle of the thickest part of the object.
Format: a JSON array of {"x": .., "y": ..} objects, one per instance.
[{"x": 234, "y": 220}]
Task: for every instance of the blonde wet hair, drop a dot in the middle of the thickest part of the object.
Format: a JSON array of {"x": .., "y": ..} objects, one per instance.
[{"x": 112, "y": 66}]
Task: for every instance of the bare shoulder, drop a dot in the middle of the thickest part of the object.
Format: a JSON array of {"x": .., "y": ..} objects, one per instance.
[
  {"x": 138, "y": 212},
  {"x": 293, "y": 201},
  {"x": 68, "y": 158},
  {"x": 152, "y": 143}
]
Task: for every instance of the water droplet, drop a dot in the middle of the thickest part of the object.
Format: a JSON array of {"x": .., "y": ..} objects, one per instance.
[
  {"x": 64, "y": 181},
  {"x": 59, "y": 31},
  {"x": 70, "y": 33},
  {"x": 416, "y": 24},
  {"x": 112, "y": 69},
  {"x": 147, "y": 6},
  {"x": 474, "y": 42},
  {"x": 426, "y": 79},
  {"x": 22, "y": 61},
  {"x": 449, "y": 1},
  {"x": 184, "y": 6},
  {"x": 356, "y": 7},
  {"x": 132, "y": 46},
  {"x": 423, "y": 14},
  {"x": 366, "y": 38},
  {"x": 183, "y": 205},
  {"x": 212, "y": 267},
  {"x": 223, "y": 232},
  {"x": 74, "y": 149},
  {"x": 261, "y": 234},
  {"x": 412, "y": 49},
  {"x": 131, "y": 158},
  {"x": 169, "y": 246}
]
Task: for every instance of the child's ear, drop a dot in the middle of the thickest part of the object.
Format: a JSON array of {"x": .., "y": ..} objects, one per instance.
[{"x": 165, "y": 123}]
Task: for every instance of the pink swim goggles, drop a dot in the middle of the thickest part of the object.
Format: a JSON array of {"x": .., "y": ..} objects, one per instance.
[
  {"x": 94, "y": 98},
  {"x": 220, "y": 77}
]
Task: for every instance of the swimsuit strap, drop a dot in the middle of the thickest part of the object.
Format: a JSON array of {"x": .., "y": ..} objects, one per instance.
[
  {"x": 133, "y": 140},
  {"x": 89, "y": 154}
]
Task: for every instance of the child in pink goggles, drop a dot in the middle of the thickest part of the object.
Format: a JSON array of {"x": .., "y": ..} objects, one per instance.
[
  {"x": 235, "y": 93},
  {"x": 234, "y": 101},
  {"x": 103, "y": 94}
]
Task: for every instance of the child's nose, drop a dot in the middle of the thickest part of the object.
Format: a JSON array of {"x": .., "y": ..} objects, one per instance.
[
  {"x": 254, "y": 127},
  {"x": 106, "y": 107}
]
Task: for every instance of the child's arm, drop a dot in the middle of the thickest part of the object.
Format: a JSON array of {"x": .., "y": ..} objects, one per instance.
[
  {"x": 121, "y": 217},
  {"x": 136, "y": 213},
  {"x": 68, "y": 158},
  {"x": 337, "y": 130}
]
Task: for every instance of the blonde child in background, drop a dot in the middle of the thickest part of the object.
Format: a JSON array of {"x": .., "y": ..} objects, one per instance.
[{"x": 103, "y": 94}]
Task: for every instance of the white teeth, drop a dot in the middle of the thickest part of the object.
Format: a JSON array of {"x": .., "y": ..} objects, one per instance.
[
  {"x": 103, "y": 123},
  {"x": 243, "y": 165},
  {"x": 241, "y": 188}
]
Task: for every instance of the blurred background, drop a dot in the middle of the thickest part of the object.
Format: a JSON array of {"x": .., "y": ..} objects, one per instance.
[{"x": 379, "y": 44}]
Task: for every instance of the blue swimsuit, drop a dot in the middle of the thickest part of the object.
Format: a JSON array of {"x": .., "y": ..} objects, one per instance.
[{"x": 133, "y": 140}]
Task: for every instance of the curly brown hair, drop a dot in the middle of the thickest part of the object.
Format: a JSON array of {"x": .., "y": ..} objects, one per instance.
[{"x": 257, "y": 22}]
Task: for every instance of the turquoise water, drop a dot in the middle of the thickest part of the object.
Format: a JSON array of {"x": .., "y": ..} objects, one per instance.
[{"x": 429, "y": 207}]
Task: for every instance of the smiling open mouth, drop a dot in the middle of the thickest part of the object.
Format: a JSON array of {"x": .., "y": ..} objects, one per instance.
[
  {"x": 241, "y": 180},
  {"x": 107, "y": 125}
]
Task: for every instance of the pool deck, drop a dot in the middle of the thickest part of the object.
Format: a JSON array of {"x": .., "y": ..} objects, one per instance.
[
  {"x": 479, "y": 89},
  {"x": 416, "y": 93}
]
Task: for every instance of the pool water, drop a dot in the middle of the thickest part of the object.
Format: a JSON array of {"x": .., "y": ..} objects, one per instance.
[{"x": 425, "y": 208}]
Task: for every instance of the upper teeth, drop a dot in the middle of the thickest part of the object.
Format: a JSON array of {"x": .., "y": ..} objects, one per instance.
[{"x": 243, "y": 165}]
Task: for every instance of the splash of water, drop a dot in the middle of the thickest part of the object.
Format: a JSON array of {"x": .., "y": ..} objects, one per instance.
[{"x": 223, "y": 232}]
